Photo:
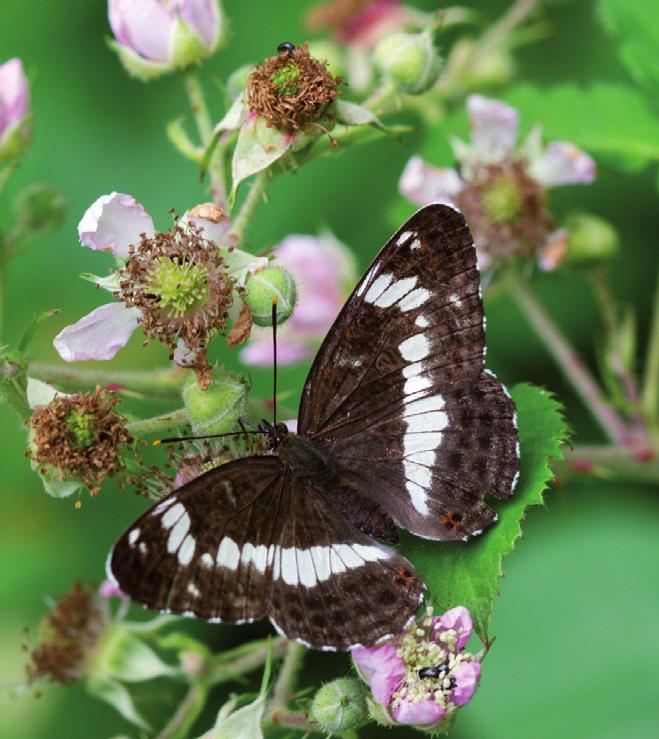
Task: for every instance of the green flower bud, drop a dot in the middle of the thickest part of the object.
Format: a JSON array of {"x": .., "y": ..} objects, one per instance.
[
  {"x": 409, "y": 60},
  {"x": 237, "y": 80},
  {"x": 40, "y": 208},
  {"x": 591, "y": 239},
  {"x": 339, "y": 705},
  {"x": 491, "y": 69},
  {"x": 261, "y": 290},
  {"x": 216, "y": 409}
]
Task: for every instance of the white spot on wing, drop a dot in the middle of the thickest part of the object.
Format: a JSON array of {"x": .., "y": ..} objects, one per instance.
[
  {"x": 178, "y": 532},
  {"x": 415, "y": 244},
  {"x": 415, "y": 348},
  {"x": 336, "y": 563},
  {"x": 365, "y": 280},
  {"x": 207, "y": 560},
  {"x": 423, "y": 405},
  {"x": 305, "y": 568},
  {"x": 133, "y": 537},
  {"x": 172, "y": 516},
  {"x": 186, "y": 552},
  {"x": 259, "y": 557},
  {"x": 414, "y": 299},
  {"x": 404, "y": 237},
  {"x": 228, "y": 554},
  {"x": 377, "y": 288},
  {"x": 193, "y": 590},
  {"x": 421, "y": 322},
  {"x": 395, "y": 292},
  {"x": 163, "y": 506},
  {"x": 289, "y": 572},
  {"x": 418, "y": 497}
]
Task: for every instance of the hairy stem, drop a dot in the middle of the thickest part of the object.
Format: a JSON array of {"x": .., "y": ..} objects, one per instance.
[
  {"x": 204, "y": 123},
  {"x": 149, "y": 382},
  {"x": 254, "y": 198},
  {"x": 156, "y": 424},
  {"x": 571, "y": 364},
  {"x": 178, "y": 727},
  {"x": 285, "y": 684},
  {"x": 612, "y": 462}
]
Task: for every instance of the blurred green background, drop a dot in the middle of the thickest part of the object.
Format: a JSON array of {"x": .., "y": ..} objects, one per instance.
[{"x": 576, "y": 625}]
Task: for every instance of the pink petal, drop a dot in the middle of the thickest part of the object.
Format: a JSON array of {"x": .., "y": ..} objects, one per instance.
[
  {"x": 212, "y": 231},
  {"x": 98, "y": 335},
  {"x": 466, "y": 676},
  {"x": 493, "y": 128},
  {"x": 107, "y": 589},
  {"x": 563, "y": 163},
  {"x": 316, "y": 262},
  {"x": 382, "y": 669},
  {"x": 113, "y": 222},
  {"x": 14, "y": 93},
  {"x": 259, "y": 353},
  {"x": 378, "y": 19},
  {"x": 143, "y": 25},
  {"x": 422, "y": 183},
  {"x": 314, "y": 314},
  {"x": 459, "y": 619},
  {"x": 203, "y": 16},
  {"x": 422, "y": 713}
]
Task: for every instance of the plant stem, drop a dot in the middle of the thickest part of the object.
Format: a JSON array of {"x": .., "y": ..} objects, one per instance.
[
  {"x": 285, "y": 684},
  {"x": 293, "y": 720},
  {"x": 150, "y": 382},
  {"x": 158, "y": 423},
  {"x": 571, "y": 364},
  {"x": 254, "y": 198},
  {"x": 237, "y": 662},
  {"x": 650, "y": 391},
  {"x": 187, "y": 713},
  {"x": 612, "y": 462},
  {"x": 204, "y": 123}
]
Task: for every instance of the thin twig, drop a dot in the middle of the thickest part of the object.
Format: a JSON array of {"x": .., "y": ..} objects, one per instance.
[
  {"x": 187, "y": 713},
  {"x": 571, "y": 364},
  {"x": 285, "y": 684},
  {"x": 254, "y": 198}
]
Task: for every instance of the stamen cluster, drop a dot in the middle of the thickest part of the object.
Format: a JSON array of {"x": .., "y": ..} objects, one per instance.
[
  {"x": 292, "y": 89},
  {"x": 81, "y": 436}
]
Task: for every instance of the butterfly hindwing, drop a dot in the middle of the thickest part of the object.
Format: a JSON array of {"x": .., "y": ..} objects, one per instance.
[
  {"x": 251, "y": 539},
  {"x": 398, "y": 388}
]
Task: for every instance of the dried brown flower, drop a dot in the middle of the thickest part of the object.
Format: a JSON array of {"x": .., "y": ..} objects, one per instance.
[
  {"x": 67, "y": 635},
  {"x": 292, "y": 89},
  {"x": 241, "y": 329},
  {"x": 81, "y": 436}
]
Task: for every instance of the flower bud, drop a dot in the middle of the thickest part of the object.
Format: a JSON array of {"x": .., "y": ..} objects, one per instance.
[
  {"x": 216, "y": 409},
  {"x": 591, "y": 239},
  {"x": 479, "y": 71},
  {"x": 40, "y": 208},
  {"x": 154, "y": 37},
  {"x": 263, "y": 287},
  {"x": 339, "y": 705},
  {"x": 14, "y": 110},
  {"x": 408, "y": 60}
]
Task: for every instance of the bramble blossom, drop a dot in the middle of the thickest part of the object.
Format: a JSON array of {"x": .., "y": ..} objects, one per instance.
[
  {"x": 14, "y": 110},
  {"x": 424, "y": 675},
  {"x": 500, "y": 186},
  {"x": 153, "y": 37},
  {"x": 176, "y": 284},
  {"x": 324, "y": 272}
]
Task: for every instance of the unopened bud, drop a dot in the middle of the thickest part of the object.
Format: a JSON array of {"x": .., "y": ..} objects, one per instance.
[
  {"x": 265, "y": 287},
  {"x": 591, "y": 239},
  {"x": 339, "y": 705},
  {"x": 409, "y": 60},
  {"x": 216, "y": 409}
]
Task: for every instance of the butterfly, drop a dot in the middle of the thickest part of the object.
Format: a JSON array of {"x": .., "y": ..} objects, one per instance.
[{"x": 399, "y": 425}]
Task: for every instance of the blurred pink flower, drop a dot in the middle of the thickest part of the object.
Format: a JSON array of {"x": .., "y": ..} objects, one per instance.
[
  {"x": 156, "y": 36},
  {"x": 14, "y": 109},
  {"x": 324, "y": 272},
  {"x": 500, "y": 186},
  {"x": 112, "y": 224},
  {"x": 361, "y": 23},
  {"x": 424, "y": 674}
]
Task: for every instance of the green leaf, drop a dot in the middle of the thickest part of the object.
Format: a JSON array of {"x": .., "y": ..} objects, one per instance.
[
  {"x": 258, "y": 147},
  {"x": 634, "y": 25},
  {"x": 468, "y": 574},
  {"x": 612, "y": 122}
]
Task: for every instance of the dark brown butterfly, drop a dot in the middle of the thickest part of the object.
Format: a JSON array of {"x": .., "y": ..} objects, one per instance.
[{"x": 399, "y": 425}]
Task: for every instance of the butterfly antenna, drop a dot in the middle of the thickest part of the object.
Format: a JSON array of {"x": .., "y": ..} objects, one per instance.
[
  {"x": 174, "y": 439},
  {"x": 274, "y": 357}
]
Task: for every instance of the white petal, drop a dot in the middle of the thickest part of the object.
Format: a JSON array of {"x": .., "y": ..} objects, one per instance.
[
  {"x": 493, "y": 128},
  {"x": 562, "y": 163},
  {"x": 114, "y": 222},
  {"x": 98, "y": 335},
  {"x": 40, "y": 393},
  {"x": 422, "y": 183},
  {"x": 183, "y": 356}
]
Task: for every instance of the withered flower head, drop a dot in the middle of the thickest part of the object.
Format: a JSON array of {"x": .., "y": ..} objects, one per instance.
[
  {"x": 291, "y": 90},
  {"x": 80, "y": 436},
  {"x": 67, "y": 635},
  {"x": 506, "y": 209},
  {"x": 180, "y": 283}
]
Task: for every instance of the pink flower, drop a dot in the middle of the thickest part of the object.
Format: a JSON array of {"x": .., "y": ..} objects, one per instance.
[
  {"x": 155, "y": 36},
  {"x": 112, "y": 224},
  {"x": 424, "y": 674},
  {"x": 324, "y": 271},
  {"x": 500, "y": 186},
  {"x": 14, "y": 110},
  {"x": 359, "y": 24}
]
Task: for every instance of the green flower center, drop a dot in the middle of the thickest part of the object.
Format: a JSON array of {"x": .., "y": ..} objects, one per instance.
[
  {"x": 502, "y": 201},
  {"x": 81, "y": 427},
  {"x": 181, "y": 286},
  {"x": 285, "y": 80}
]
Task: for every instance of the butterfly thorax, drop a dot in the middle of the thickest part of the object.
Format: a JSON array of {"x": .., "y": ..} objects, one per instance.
[{"x": 306, "y": 458}]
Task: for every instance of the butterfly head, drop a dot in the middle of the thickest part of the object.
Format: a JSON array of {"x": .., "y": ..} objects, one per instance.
[{"x": 275, "y": 433}]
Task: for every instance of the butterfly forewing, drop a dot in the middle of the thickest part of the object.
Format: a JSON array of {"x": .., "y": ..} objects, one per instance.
[
  {"x": 399, "y": 391},
  {"x": 250, "y": 539}
]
